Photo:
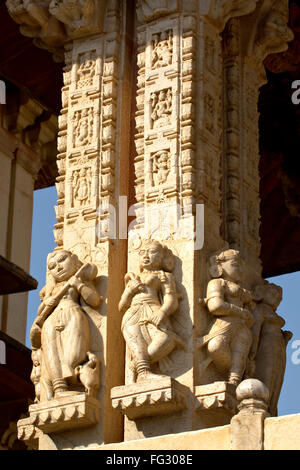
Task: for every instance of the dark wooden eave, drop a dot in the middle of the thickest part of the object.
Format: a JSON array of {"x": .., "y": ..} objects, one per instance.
[
  {"x": 13, "y": 279},
  {"x": 15, "y": 383}
]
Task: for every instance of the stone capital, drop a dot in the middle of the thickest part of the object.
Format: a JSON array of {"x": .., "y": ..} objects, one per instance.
[
  {"x": 52, "y": 23},
  {"x": 268, "y": 30},
  {"x": 220, "y": 11}
]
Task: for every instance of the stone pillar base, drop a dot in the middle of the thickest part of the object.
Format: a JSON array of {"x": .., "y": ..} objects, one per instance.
[
  {"x": 61, "y": 414},
  {"x": 149, "y": 398}
]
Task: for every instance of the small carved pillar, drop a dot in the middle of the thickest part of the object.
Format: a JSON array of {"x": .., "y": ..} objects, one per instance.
[
  {"x": 247, "y": 427},
  {"x": 92, "y": 160}
]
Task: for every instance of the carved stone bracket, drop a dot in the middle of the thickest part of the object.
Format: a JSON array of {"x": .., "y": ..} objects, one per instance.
[
  {"x": 52, "y": 23},
  {"x": 61, "y": 414},
  {"x": 216, "y": 395},
  {"x": 220, "y": 11},
  {"x": 28, "y": 432},
  {"x": 149, "y": 398},
  {"x": 269, "y": 31}
]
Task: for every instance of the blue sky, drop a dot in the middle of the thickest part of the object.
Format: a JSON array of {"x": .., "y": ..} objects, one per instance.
[{"x": 289, "y": 309}]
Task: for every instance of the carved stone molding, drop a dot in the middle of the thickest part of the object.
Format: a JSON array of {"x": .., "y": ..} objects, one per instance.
[
  {"x": 61, "y": 414},
  {"x": 149, "y": 398},
  {"x": 53, "y": 23},
  {"x": 216, "y": 395}
]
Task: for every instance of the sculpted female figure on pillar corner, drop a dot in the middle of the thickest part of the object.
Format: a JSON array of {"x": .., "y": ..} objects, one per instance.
[
  {"x": 61, "y": 331},
  {"x": 149, "y": 298},
  {"x": 268, "y": 350},
  {"x": 229, "y": 338}
]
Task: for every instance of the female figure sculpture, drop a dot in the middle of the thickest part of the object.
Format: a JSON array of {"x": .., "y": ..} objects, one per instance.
[
  {"x": 148, "y": 300},
  {"x": 269, "y": 341},
  {"x": 229, "y": 339},
  {"x": 61, "y": 330}
]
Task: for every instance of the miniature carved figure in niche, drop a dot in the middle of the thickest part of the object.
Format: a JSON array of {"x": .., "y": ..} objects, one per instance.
[
  {"x": 162, "y": 49},
  {"x": 161, "y": 108},
  {"x": 35, "y": 376},
  {"x": 83, "y": 127},
  {"x": 61, "y": 331},
  {"x": 268, "y": 350},
  {"x": 160, "y": 167},
  {"x": 82, "y": 187},
  {"x": 229, "y": 339},
  {"x": 86, "y": 68},
  {"x": 149, "y": 299}
]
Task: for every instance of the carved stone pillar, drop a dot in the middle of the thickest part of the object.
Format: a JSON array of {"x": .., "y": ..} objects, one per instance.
[
  {"x": 196, "y": 145},
  {"x": 192, "y": 261},
  {"x": 92, "y": 160}
]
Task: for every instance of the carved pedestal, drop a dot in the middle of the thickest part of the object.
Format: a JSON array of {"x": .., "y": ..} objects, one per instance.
[
  {"x": 216, "y": 395},
  {"x": 216, "y": 403},
  {"x": 61, "y": 414},
  {"x": 149, "y": 398}
]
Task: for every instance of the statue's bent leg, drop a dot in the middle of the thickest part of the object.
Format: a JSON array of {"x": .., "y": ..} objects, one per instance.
[
  {"x": 135, "y": 342},
  {"x": 219, "y": 350},
  {"x": 162, "y": 344},
  {"x": 240, "y": 347}
]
